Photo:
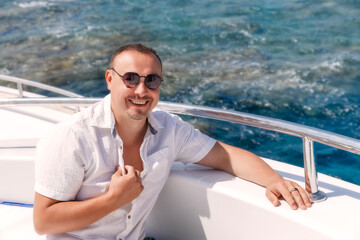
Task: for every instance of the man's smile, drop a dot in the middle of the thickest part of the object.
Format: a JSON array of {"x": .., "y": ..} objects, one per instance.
[{"x": 139, "y": 101}]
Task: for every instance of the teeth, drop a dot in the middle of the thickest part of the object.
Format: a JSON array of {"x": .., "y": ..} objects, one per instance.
[{"x": 138, "y": 103}]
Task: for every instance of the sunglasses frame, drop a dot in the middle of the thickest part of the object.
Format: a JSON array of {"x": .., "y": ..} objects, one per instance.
[{"x": 145, "y": 82}]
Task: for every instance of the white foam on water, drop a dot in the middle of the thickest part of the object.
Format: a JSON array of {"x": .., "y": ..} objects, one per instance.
[
  {"x": 33, "y": 4},
  {"x": 332, "y": 65}
]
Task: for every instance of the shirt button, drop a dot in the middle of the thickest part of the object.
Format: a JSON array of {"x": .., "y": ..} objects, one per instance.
[{"x": 129, "y": 216}]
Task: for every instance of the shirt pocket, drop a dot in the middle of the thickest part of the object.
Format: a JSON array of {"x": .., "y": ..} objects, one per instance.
[{"x": 158, "y": 165}]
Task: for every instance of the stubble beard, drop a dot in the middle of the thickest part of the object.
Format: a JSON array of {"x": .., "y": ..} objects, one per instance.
[{"x": 138, "y": 115}]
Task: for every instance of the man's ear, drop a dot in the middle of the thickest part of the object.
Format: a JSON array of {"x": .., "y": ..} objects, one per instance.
[{"x": 108, "y": 77}]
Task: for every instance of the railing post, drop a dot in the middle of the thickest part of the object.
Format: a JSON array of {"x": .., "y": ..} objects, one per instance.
[
  {"x": 311, "y": 181},
  {"x": 19, "y": 86}
]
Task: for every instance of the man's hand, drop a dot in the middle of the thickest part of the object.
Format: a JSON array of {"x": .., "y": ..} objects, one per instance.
[
  {"x": 293, "y": 194},
  {"x": 248, "y": 166},
  {"x": 53, "y": 216},
  {"x": 126, "y": 187}
]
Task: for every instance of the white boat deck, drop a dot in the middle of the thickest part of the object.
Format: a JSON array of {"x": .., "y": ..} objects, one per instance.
[
  {"x": 20, "y": 130},
  {"x": 17, "y": 224},
  {"x": 231, "y": 208},
  {"x": 196, "y": 203},
  {"x": 214, "y": 205}
]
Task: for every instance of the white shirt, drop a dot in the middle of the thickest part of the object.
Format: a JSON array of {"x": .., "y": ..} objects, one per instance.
[{"x": 76, "y": 162}]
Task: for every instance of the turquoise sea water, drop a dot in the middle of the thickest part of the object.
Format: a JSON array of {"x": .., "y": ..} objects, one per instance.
[{"x": 293, "y": 60}]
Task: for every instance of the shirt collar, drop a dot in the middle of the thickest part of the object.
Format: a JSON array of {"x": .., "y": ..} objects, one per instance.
[
  {"x": 154, "y": 123},
  {"x": 103, "y": 117},
  {"x": 102, "y": 114}
]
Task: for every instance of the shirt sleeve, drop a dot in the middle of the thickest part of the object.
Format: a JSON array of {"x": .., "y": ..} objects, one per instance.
[
  {"x": 59, "y": 166},
  {"x": 193, "y": 145}
]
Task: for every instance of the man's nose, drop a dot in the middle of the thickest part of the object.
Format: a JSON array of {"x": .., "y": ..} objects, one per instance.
[{"x": 141, "y": 88}]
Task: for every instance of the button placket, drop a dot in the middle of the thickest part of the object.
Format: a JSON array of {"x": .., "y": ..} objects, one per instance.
[
  {"x": 130, "y": 217},
  {"x": 143, "y": 156},
  {"x": 130, "y": 213},
  {"x": 119, "y": 148}
]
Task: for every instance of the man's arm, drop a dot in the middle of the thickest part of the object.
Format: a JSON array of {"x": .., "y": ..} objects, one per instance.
[
  {"x": 52, "y": 216},
  {"x": 248, "y": 166}
]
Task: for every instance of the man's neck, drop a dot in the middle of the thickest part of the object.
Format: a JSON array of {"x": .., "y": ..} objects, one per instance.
[{"x": 132, "y": 131}]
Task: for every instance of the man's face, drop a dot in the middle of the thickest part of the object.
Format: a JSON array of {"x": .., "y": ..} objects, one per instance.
[{"x": 133, "y": 103}]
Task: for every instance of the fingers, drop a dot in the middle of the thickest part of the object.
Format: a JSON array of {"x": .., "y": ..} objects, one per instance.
[
  {"x": 129, "y": 169},
  {"x": 294, "y": 195},
  {"x": 272, "y": 198},
  {"x": 295, "y": 199},
  {"x": 118, "y": 171},
  {"x": 132, "y": 172},
  {"x": 301, "y": 196},
  {"x": 135, "y": 174},
  {"x": 125, "y": 188}
]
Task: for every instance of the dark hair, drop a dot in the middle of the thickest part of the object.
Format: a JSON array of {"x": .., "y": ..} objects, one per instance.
[{"x": 137, "y": 48}]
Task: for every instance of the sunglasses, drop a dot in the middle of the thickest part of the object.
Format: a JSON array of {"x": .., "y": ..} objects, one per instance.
[{"x": 131, "y": 79}]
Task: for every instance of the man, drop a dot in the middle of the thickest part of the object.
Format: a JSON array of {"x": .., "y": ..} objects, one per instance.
[{"x": 99, "y": 174}]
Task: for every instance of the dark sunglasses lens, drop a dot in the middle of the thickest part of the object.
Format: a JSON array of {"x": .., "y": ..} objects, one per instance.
[
  {"x": 152, "y": 81},
  {"x": 131, "y": 79}
]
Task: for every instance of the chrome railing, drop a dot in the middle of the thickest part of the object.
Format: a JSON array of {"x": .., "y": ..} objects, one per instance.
[
  {"x": 20, "y": 82},
  {"x": 309, "y": 135}
]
